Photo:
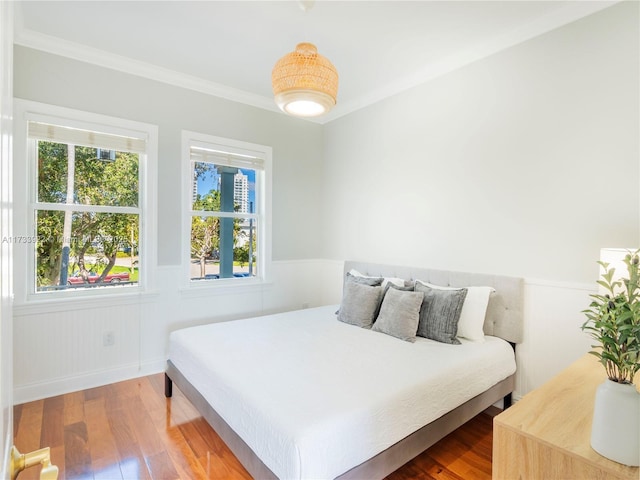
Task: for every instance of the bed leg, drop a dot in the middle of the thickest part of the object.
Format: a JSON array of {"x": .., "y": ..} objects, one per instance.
[
  {"x": 507, "y": 401},
  {"x": 168, "y": 386}
]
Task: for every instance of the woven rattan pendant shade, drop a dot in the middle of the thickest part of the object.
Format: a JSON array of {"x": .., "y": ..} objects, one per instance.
[{"x": 304, "y": 82}]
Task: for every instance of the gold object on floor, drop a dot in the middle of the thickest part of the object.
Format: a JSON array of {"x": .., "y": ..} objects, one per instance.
[{"x": 20, "y": 461}]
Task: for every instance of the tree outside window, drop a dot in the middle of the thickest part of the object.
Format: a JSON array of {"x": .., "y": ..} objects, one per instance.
[
  {"x": 223, "y": 240},
  {"x": 87, "y": 217}
]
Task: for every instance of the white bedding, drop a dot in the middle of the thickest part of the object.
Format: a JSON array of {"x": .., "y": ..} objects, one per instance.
[{"x": 314, "y": 397}]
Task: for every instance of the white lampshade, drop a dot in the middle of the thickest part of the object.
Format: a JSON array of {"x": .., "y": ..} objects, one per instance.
[{"x": 304, "y": 103}]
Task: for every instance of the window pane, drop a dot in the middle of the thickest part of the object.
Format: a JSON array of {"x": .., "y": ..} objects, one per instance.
[
  {"x": 106, "y": 177},
  {"x": 245, "y": 252},
  {"x": 222, "y": 248},
  {"x": 48, "y": 248},
  {"x": 52, "y": 172},
  {"x": 101, "y": 250},
  {"x": 218, "y": 188},
  {"x": 101, "y": 177}
]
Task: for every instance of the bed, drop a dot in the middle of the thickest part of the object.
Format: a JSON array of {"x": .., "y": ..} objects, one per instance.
[{"x": 303, "y": 395}]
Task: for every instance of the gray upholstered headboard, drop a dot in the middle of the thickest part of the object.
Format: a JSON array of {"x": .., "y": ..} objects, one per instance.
[{"x": 504, "y": 314}]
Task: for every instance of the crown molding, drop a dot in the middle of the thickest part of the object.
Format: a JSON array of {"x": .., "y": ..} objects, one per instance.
[
  {"x": 574, "y": 10},
  {"x": 57, "y": 46}
]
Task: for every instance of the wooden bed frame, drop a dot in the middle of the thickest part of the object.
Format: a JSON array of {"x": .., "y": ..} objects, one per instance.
[{"x": 504, "y": 320}]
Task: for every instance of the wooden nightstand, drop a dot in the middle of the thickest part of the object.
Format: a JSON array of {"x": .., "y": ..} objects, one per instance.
[{"x": 546, "y": 435}]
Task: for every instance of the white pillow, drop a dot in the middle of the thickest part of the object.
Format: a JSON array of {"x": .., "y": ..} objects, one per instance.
[
  {"x": 474, "y": 310},
  {"x": 396, "y": 281}
]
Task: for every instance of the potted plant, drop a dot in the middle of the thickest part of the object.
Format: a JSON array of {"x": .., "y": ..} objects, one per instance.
[{"x": 613, "y": 320}]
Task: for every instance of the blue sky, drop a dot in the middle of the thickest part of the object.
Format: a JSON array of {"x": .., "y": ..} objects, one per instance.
[{"x": 209, "y": 181}]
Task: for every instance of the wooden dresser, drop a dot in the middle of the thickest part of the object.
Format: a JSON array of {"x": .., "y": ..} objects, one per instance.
[{"x": 546, "y": 435}]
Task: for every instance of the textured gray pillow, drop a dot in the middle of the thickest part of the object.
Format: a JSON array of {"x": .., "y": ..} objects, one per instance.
[
  {"x": 359, "y": 304},
  {"x": 399, "y": 314},
  {"x": 440, "y": 313},
  {"x": 371, "y": 281}
]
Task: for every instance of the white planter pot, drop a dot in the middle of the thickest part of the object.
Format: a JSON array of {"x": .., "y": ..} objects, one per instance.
[{"x": 615, "y": 432}]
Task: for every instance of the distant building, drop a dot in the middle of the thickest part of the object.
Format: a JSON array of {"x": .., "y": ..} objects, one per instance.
[{"x": 241, "y": 192}]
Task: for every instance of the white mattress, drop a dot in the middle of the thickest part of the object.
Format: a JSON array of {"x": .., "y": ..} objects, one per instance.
[{"x": 314, "y": 397}]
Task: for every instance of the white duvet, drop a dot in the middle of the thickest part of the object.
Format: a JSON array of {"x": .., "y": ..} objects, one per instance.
[{"x": 314, "y": 397}]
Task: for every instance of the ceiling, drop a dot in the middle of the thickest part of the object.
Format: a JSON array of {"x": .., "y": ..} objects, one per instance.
[{"x": 228, "y": 48}]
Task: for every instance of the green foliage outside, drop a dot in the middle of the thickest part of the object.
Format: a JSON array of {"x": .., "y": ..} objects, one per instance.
[
  {"x": 205, "y": 231},
  {"x": 95, "y": 182},
  {"x": 98, "y": 239},
  {"x": 241, "y": 254},
  {"x": 133, "y": 275}
]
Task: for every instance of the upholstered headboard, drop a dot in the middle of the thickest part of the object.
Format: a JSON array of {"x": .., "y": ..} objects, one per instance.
[{"x": 504, "y": 313}]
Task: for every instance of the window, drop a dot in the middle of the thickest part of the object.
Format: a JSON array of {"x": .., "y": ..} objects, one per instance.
[
  {"x": 86, "y": 212},
  {"x": 227, "y": 204}
]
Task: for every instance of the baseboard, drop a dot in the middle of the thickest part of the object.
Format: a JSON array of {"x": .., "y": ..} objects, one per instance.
[{"x": 60, "y": 386}]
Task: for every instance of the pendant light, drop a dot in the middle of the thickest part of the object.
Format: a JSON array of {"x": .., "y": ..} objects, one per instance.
[{"x": 305, "y": 83}]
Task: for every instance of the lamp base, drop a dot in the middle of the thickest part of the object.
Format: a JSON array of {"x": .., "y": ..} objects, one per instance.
[{"x": 616, "y": 423}]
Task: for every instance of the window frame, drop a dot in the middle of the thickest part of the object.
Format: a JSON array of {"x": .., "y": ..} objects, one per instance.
[
  {"x": 262, "y": 212},
  {"x": 26, "y": 182}
]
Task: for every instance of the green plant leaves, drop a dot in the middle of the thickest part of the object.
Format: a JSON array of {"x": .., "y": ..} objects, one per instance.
[{"x": 613, "y": 320}]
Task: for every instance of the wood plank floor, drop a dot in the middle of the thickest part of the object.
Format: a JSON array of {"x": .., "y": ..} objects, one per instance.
[{"x": 129, "y": 430}]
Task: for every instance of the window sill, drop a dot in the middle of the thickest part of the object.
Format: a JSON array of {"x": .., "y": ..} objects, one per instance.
[
  {"x": 36, "y": 305},
  {"x": 223, "y": 287}
]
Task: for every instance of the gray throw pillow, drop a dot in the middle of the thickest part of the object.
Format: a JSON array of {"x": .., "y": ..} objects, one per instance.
[
  {"x": 440, "y": 313},
  {"x": 399, "y": 314},
  {"x": 359, "y": 304},
  {"x": 371, "y": 281}
]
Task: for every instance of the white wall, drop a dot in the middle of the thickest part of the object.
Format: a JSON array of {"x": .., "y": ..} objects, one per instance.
[{"x": 525, "y": 163}]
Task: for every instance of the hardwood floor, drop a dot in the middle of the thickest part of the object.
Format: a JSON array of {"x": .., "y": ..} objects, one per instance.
[{"x": 129, "y": 430}]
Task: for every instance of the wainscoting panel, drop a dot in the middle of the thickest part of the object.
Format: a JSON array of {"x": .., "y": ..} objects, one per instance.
[
  {"x": 61, "y": 351},
  {"x": 56, "y": 348},
  {"x": 552, "y": 335},
  {"x": 58, "y": 351}
]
